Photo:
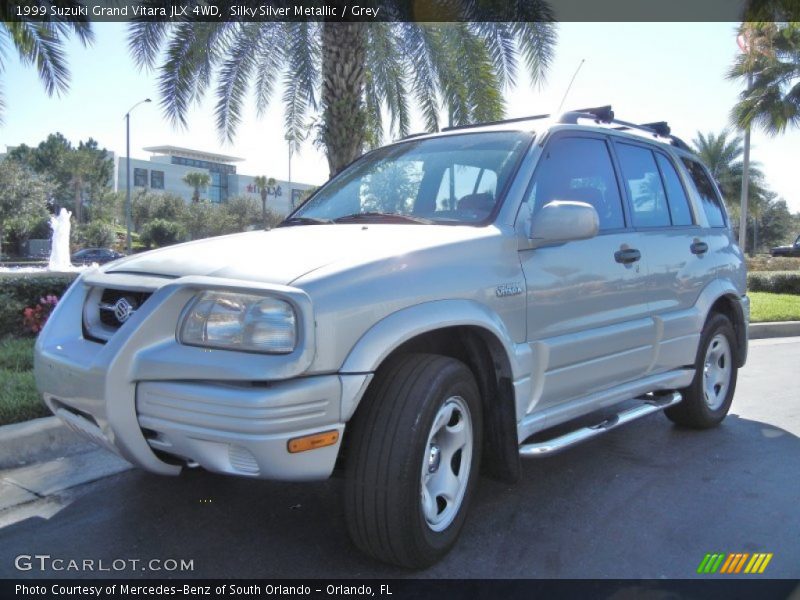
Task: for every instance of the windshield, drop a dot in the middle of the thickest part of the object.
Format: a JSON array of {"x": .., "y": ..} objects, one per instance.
[{"x": 455, "y": 179}]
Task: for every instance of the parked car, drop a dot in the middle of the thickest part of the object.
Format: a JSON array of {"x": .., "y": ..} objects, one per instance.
[
  {"x": 793, "y": 250},
  {"x": 100, "y": 256},
  {"x": 419, "y": 319}
]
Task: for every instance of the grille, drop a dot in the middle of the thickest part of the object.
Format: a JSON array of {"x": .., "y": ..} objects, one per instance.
[{"x": 117, "y": 306}]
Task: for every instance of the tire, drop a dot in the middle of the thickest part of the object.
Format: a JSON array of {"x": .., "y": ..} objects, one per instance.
[
  {"x": 391, "y": 439},
  {"x": 708, "y": 398}
]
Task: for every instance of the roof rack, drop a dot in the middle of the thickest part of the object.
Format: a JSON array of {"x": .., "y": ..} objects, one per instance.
[
  {"x": 500, "y": 122},
  {"x": 599, "y": 114},
  {"x": 519, "y": 119},
  {"x": 604, "y": 114}
]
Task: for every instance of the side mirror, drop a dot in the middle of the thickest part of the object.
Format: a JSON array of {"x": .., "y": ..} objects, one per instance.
[{"x": 562, "y": 221}]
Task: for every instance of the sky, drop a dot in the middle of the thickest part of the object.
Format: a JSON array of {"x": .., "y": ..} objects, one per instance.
[{"x": 672, "y": 72}]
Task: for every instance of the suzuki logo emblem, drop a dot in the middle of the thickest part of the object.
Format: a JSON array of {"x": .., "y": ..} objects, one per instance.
[{"x": 123, "y": 310}]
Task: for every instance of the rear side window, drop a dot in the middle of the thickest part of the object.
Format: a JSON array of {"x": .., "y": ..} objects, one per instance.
[
  {"x": 712, "y": 205},
  {"x": 643, "y": 181},
  {"x": 676, "y": 195},
  {"x": 579, "y": 169}
]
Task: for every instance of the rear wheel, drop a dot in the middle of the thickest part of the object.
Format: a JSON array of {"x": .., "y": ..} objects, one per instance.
[
  {"x": 412, "y": 464},
  {"x": 707, "y": 400}
]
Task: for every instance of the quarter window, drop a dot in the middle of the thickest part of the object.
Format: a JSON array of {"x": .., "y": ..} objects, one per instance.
[
  {"x": 579, "y": 169},
  {"x": 676, "y": 195},
  {"x": 712, "y": 204},
  {"x": 645, "y": 189}
]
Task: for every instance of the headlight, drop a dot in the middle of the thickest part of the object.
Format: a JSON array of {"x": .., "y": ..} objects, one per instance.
[{"x": 240, "y": 322}]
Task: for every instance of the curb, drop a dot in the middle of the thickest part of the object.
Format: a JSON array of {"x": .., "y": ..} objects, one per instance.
[
  {"x": 36, "y": 440},
  {"x": 758, "y": 331}
]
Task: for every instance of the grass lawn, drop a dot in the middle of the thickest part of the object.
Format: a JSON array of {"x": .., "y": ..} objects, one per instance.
[
  {"x": 19, "y": 400},
  {"x": 774, "y": 307}
]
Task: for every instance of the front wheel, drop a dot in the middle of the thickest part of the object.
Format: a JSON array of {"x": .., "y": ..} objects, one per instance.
[
  {"x": 708, "y": 398},
  {"x": 413, "y": 458}
]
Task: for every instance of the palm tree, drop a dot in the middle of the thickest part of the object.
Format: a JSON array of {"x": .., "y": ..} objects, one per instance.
[
  {"x": 772, "y": 60},
  {"x": 350, "y": 73},
  {"x": 198, "y": 181},
  {"x": 263, "y": 184},
  {"x": 722, "y": 153},
  {"x": 41, "y": 43},
  {"x": 80, "y": 164}
]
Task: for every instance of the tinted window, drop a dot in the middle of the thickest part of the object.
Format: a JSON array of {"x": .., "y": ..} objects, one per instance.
[
  {"x": 712, "y": 205},
  {"x": 643, "y": 182},
  {"x": 579, "y": 169},
  {"x": 676, "y": 195}
]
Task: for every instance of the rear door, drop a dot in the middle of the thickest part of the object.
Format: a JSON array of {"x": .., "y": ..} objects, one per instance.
[
  {"x": 587, "y": 309},
  {"x": 675, "y": 246}
]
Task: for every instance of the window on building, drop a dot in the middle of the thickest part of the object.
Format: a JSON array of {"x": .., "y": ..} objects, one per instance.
[
  {"x": 712, "y": 204},
  {"x": 140, "y": 177},
  {"x": 157, "y": 180}
]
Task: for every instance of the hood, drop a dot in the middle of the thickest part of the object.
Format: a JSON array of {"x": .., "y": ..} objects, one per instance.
[{"x": 283, "y": 255}]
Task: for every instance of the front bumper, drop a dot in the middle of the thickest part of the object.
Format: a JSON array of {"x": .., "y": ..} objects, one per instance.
[{"x": 160, "y": 404}]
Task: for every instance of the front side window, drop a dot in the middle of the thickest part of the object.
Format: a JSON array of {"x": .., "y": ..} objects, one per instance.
[
  {"x": 712, "y": 204},
  {"x": 578, "y": 169},
  {"x": 456, "y": 179},
  {"x": 643, "y": 182}
]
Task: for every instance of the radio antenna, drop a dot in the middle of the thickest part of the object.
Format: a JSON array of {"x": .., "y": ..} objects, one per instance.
[{"x": 569, "y": 87}]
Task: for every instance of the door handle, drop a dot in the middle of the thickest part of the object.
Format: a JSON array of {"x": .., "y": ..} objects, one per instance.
[
  {"x": 627, "y": 256},
  {"x": 699, "y": 248}
]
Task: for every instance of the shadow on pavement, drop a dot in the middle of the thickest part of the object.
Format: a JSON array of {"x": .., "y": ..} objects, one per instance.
[{"x": 648, "y": 500}]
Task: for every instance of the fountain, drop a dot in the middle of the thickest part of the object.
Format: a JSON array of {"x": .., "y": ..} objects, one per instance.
[
  {"x": 59, "y": 245},
  {"x": 59, "y": 248}
]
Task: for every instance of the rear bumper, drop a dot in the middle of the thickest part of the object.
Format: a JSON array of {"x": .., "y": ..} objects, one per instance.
[{"x": 160, "y": 405}]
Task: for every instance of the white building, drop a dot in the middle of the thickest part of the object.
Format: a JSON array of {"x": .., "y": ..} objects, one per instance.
[{"x": 168, "y": 165}]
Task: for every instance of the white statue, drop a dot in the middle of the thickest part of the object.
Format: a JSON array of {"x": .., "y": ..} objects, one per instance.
[{"x": 59, "y": 246}]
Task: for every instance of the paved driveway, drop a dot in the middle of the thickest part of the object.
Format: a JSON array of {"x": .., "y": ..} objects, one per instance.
[{"x": 647, "y": 500}]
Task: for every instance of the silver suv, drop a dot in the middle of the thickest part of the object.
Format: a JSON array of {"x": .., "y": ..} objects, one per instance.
[{"x": 446, "y": 305}]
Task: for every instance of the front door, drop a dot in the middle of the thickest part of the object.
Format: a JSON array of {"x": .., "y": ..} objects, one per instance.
[{"x": 588, "y": 320}]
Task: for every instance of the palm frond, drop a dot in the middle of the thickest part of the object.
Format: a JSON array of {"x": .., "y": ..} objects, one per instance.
[
  {"x": 301, "y": 76},
  {"x": 234, "y": 77}
]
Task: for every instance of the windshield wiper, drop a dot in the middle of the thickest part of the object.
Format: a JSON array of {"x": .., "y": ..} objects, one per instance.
[
  {"x": 303, "y": 221},
  {"x": 383, "y": 215}
]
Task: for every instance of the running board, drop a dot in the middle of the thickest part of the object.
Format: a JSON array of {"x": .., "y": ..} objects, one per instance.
[{"x": 650, "y": 405}]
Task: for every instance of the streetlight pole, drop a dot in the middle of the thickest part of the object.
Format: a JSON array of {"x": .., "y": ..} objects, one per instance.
[{"x": 128, "y": 174}]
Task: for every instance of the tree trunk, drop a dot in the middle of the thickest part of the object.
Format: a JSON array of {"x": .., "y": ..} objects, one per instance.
[
  {"x": 264, "y": 206},
  {"x": 343, "y": 116},
  {"x": 78, "y": 202}
]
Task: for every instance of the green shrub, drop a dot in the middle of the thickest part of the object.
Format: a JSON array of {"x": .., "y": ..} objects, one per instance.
[
  {"x": 773, "y": 263},
  {"x": 160, "y": 232},
  {"x": 775, "y": 282},
  {"x": 97, "y": 235},
  {"x": 20, "y": 290}
]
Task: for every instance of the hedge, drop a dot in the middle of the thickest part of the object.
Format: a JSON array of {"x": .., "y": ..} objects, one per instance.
[
  {"x": 775, "y": 282},
  {"x": 20, "y": 290}
]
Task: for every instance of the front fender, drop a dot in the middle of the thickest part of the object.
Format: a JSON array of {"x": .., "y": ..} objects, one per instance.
[{"x": 399, "y": 327}]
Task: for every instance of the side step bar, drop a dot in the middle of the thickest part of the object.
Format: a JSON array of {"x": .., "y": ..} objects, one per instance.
[{"x": 650, "y": 404}]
